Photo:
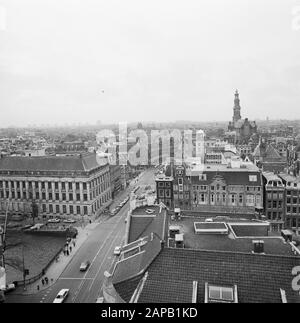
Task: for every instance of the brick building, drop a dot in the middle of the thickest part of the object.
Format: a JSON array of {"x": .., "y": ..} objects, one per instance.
[{"x": 274, "y": 200}]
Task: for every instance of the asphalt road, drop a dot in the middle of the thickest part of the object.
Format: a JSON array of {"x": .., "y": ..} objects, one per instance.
[{"x": 85, "y": 287}]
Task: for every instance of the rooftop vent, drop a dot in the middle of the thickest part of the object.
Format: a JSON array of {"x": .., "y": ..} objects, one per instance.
[
  {"x": 258, "y": 246},
  {"x": 287, "y": 235},
  {"x": 179, "y": 240}
]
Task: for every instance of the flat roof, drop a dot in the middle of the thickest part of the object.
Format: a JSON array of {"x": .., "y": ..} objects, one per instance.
[{"x": 274, "y": 245}]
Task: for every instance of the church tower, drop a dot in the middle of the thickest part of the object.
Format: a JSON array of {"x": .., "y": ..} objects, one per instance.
[{"x": 236, "y": 108}]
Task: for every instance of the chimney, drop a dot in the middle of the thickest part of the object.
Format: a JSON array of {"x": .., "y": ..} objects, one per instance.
[{"x": 258, "y": 246}]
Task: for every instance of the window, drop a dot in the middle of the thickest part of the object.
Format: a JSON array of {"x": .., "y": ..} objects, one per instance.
[
  {"x": 85, "y": 210},
  {"x": 252, "y": 178},
  {"x": 161, "y": 193},
  {"x": 180, "y": 181},
  {"x": 64, "y": 209},
  {"x": 202, "y": 198},
  {"x": 70, "y": 197},
  {"x": 84, "y": 186},
  {"x": 241, "y": 199},
  {"x": 78, "y": 209},
  {"x": 220, "y": 294},
  {"x": 51, "y": 208},
  {"x": 71, "y": 209},
  {"x": 57, "y": 208}
]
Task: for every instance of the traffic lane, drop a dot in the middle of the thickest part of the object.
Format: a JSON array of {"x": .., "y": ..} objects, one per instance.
[
  {"x": 76, "y": 281},
  {"x": 103, "y": 259},
  {"x": 107, "y": 265},
  {"x": 93, "y": 245},
  {"x": 90, "y": 291}
]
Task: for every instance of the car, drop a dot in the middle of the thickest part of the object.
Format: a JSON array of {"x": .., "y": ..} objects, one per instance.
[
  {"x": 8, "y": 288},
  {"x": 100, "y": 300},
  {"x": 117, "y": 251},
  {"x": 56, "y": 220},
  {"x": 85, "y": 265},
  {"x": 61, "y": 296},
  {"x": 69, "y": 221}
]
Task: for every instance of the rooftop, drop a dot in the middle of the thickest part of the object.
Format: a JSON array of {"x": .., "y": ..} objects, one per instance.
[
  {"x": 259, "y": 278},
  {"x": 84, "y": 162},
  {"x": 240, "y": 237}
]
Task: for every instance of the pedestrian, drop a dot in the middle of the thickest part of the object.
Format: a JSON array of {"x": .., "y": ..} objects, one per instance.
[
  {"x": 70, "y": 249},
  {"x": 51, "y": 280},
  {"x": 43, "y": 282},
  {"x": 74, "y": 243},
  {"x": 38, "y": 287}
]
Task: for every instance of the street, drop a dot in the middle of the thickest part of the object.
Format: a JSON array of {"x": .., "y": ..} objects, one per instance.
[{"x": 98, "y": 248}]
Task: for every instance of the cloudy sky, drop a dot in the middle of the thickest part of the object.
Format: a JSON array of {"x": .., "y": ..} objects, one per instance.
[{"x": 71, "y": 61}]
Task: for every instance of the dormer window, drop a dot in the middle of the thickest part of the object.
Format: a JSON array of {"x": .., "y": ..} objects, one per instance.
[
  {"x": 220, "y": 294},
  {"x": 252, "y": 178}
]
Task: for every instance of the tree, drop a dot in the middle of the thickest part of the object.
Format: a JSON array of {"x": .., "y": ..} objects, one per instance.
[{"x": 35, "y": 211}]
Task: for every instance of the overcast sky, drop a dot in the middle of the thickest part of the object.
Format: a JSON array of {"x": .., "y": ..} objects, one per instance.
[{"x": 71, "y": 61}]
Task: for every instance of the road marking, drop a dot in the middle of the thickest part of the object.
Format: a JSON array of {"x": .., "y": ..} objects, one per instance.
[
  {"x": 70, "y": 278},
  {"x": 105, "y": 241},
  {"x": 104, "y": 259}
]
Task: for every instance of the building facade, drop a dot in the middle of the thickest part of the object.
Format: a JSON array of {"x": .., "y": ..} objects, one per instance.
[
  {"x": 274, "y": 201},
  {"x": 232, "y": 188},
  {"x": 292, "y": 202},
  {"x": 164, "y": 190},
  {"x": 59, "y": 186}
]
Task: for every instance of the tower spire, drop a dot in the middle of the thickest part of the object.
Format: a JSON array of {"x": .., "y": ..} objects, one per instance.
[{"x": 237, "y": 107}]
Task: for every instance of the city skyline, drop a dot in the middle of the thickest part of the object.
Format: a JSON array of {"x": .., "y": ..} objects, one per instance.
[{"x": 113, "y": 62}]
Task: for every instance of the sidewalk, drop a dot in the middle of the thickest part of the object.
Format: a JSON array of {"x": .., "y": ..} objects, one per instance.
[{"x": 56, "y": 268}]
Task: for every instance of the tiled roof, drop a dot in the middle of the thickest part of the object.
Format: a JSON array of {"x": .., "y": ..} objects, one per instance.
[
  {"x": 85, "y": 162},
  {"x": 259, "y": 278},
  {"x": 231, "y": 178}
]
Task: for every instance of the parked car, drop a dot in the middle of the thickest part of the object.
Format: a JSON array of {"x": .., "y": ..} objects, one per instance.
[
  {"x": 56, "y": 220},
  {"x": 117, "y": 251},
  {"x": 61, "y": 296},
  {"x": 85, "y": 265},
  {"x": 69, "y": 221}
]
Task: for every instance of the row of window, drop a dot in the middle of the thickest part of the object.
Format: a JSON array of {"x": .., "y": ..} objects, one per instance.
[
  {"x": 102, "y": 179},
  {"x": 58, "y": 208},
  {"x": 51, "y": 196}
]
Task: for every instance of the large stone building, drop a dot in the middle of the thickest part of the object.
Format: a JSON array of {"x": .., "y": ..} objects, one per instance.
[
  {"x": 243, "y": 129},
  {"x": 59, "y": 186},
  {"x": 233, "y": 188}
]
